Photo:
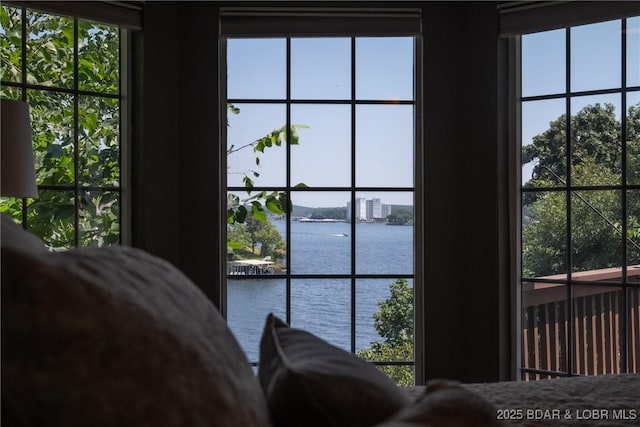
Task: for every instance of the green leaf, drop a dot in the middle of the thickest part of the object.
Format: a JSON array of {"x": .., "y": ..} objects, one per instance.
[
  {"x": 241, "y": 214},
  {"x": 54, "y": 150},
  {"x": 235, "y": 245},
  {"x": 274, "y": 206},
  {"x": 258, "y": 212},
  {"x": 68, "y": 33},
  {"x": 248, "y": 182}
]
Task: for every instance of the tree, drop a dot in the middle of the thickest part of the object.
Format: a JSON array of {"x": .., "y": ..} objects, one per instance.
[
  {"x": 92, "y": 136},
  {"x": 394, "y": 323},
  {"x": 595, "y": 134},
  {"x": 256, "y": 234},
  {"x": 331, "y": 213},
  {"x": 60, "y": 137},
  {"x": 400, "y": 217}
]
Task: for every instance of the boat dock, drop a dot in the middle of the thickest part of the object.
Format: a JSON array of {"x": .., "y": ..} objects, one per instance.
[{"x": 250, "y": 267}]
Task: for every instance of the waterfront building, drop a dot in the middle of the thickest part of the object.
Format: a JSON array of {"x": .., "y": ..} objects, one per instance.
[{"x": 368, "y": 209}]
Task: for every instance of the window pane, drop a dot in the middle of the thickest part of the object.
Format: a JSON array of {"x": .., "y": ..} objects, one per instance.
[
  {"x": 321, "y": 68},
  {"x": 11, "y": 43},
  {"x": 99, "y": 216},
  {"x": 384, "y": 137},
  {"x": 320, "y": 235},
  {"x": 380, "y": 335},
  {"x": 597, "y": 156},
  {"x": 633, "y": 236},
  {"x": 544, "y": 235},
  {"x": 99, "y": 57},
  {"x": 256, "y": 69},
  {"x": 596, "y": 56},
  {"x": 543, "y": 63},
  {"x": 255, "y": 123},
  {"x": 51, "y": 218},
  {"x": 544, "y": 162},
  {"x": 50, "y": 50},
  {"x": 263, "y": 296},
  {"x": 383, "y": 246},
  {"x": 321, "y": 238},
  {"x": 325, "y": 145},
  {"x": 10, "y": 92},
  {"x": 323, "y": 307},
  {"x": 99, "y": 140},
  {"x": 544, "y": 326},
  {"x": 52, "y": 124},
  {"x": 12, "y": 206},
  {"x": 255, "y": 246},
  {"x": 596, "y": 140},
  {"x": 633, "y": 51},
  {"x": 633, "y": 138},
  {"x": 384, "y": 68},
  {"x": 597, "y": 329},
  {"x": 595, "y": 232}
]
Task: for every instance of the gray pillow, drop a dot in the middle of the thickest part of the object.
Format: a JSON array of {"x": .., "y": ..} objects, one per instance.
[
  {"x": 309, "y": 382},
  {"x": 117, "y": 337},
  {"x": 446, "y": 404}
]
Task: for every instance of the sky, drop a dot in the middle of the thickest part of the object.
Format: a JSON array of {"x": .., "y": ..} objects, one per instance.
[
  {"x": 596, "y": 51},
  {"x": 321, "y": 70}
]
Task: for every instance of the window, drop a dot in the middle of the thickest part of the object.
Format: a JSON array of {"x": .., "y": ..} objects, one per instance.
[
  {"x": 69, "y": 71},
  {"x": 580, "y": 199},
  {"x": 326, "y": 125}
]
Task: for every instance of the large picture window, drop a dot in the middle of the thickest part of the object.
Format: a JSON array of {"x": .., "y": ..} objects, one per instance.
[
  {"x": 69, "y": 71},
  {"x": 580, "y": 194},
  {"x": 321, "y": 142}
]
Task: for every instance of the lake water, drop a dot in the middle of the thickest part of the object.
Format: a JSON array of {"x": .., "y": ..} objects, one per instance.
[{"x": 323, "y": 306}]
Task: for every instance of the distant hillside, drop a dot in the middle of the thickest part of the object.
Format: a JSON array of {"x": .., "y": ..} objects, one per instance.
[{"x": 335, "y": 212}]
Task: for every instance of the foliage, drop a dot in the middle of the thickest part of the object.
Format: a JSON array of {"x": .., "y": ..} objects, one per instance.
[
  {"x": 274, "y": 201},
  {"x": 329, "y": 213},
  {"x": 400, "y": 217},
  {"x": 77, "y": 157},
  {"x": 394, "y": 323},
  {"x": 83, "y": 151},
  {"x": 596, "y": 227},
  {"x": 256, "y": 234},
  {"x": 595, "y": 135}
]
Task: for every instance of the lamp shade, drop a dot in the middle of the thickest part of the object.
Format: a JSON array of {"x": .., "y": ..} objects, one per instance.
[{"x": 18, "y": 175}]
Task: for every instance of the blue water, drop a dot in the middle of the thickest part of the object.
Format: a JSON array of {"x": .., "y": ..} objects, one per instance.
[{"x": 323, "y": 306}]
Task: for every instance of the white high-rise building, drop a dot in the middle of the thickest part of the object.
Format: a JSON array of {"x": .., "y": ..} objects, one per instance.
[
  {"x": 367, "y": 210},
  {"x": 374, "y": 209}
]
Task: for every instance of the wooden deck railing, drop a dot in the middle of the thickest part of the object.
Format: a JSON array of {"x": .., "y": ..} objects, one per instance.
[{"x": 598, "y": 324}]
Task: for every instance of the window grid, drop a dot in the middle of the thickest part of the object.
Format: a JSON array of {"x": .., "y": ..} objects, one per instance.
[
  {"x": 353, "y": 102},
  {"x": 77, "y": 187},
  {"x": 571, "y": 190}
]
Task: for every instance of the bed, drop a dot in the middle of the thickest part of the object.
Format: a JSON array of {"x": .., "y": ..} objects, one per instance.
[
  {"x": 603, "y": 400},
  {"x": 118, "y": 337}
]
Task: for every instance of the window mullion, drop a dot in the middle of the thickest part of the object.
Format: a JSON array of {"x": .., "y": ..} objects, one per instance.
[
  {"x": 624, "y": 359},
  {"x": 353, "y": 195},
  {"x": 23, "y": 80},
  {"x": 288, "y": 179},
  {"x": 76, "y": 141},
  {"x": 569, "y": 241}
]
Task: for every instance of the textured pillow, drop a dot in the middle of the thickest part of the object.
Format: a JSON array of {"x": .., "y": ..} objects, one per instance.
[
  {"x": 446, "y": 404},
  {"x": 309, "y": 382},
  {"x": 117, "y": 337}
]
